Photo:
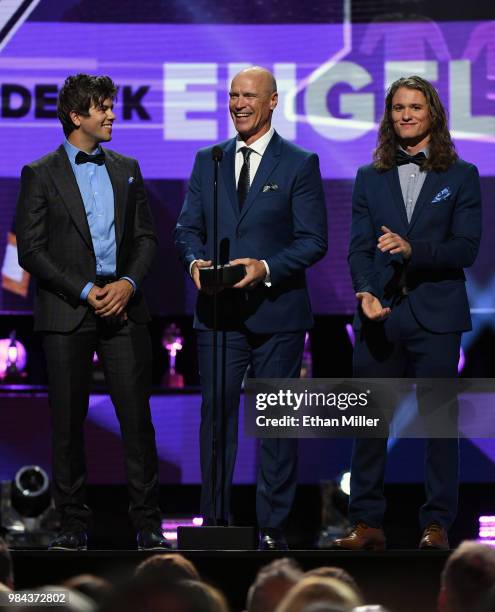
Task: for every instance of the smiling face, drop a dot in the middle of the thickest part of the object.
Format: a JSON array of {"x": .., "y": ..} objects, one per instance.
[
  {"x": 411, "y": 118},
  {"x": 251, "y": 103},
  {"x": 94, "y": 128}
]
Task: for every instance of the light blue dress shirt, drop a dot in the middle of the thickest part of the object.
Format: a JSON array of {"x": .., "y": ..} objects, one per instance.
[{"x": 97, "y": 196}]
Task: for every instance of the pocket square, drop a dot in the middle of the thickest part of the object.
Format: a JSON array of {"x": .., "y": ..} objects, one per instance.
[
  {"x": 270, "y": 187},
  {"x": 442, "y": 195},
  {"x": 130, "y": 180}
]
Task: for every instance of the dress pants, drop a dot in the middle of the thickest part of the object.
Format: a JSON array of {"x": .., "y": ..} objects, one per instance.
[
  {"x": 400, "y": 347},
  {"x": 276, "y": 355},
  {"x": 125, "y": 352}
]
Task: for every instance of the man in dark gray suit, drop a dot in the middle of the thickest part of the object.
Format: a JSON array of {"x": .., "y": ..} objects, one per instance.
[{"x": 85, "y": 233}]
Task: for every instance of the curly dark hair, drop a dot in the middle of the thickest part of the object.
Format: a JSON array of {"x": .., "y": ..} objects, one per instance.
[
  {"x": 441, "y": 154},
  {"x": 79, "y": 93}
]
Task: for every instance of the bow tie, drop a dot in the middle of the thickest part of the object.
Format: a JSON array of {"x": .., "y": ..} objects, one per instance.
[
  {"x": 402, "y": 158},
  {"x": 84, "y": 158}
]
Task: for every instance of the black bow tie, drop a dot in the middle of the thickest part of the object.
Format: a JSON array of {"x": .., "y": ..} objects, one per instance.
[
  {"x": 84, "y": 158},
  {"x": 402, "y": 158}
]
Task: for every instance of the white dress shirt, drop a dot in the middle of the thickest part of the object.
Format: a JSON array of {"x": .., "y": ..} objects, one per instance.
[{"x": 258, "y": 147}]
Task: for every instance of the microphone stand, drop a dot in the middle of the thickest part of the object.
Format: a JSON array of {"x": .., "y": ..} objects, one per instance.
[
  {"x": 216, "y": 537},
  {"x": 217, "y": 154}
]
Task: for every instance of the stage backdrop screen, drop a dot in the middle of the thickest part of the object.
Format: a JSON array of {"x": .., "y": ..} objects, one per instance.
[{"x": 173, "y": 82}]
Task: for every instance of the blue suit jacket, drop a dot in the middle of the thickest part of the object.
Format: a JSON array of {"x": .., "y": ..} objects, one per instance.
[
  {"x": 444, "y": 233},
  {"x": 286, "y": 226}
]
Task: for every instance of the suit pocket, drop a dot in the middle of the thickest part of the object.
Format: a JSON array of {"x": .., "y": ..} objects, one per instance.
[{"x": 276, "y": 193}]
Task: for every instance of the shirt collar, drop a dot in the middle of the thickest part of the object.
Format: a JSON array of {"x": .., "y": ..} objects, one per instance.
[
  {"x": 72, "y": 151},
  {"x": 259, "y": 146},
  {"x": 424, "y": 150}
]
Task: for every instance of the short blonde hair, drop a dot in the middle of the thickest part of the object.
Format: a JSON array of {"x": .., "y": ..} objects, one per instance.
[{"x": 313, "y": 589}]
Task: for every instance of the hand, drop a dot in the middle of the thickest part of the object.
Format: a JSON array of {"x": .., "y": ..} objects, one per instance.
[
  {"x": 255, "y": 273},
  {"x": 93, "y": 296},
  {"x": 113, "y": 298},
  {"x": 393, "y": 243},
  {"x": 371, "y": 307},
  {"x": 201, "y": 263}
]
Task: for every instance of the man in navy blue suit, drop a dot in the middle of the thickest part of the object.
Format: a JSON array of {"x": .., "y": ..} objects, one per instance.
[
  {"x": 416, "y": 223},
  {"x": 272, "y": 220}
]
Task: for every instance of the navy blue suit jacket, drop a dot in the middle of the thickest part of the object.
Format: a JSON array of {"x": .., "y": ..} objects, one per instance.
[
  {"x": 444, "y": 234},
  {"x": 284, "y": 224}
]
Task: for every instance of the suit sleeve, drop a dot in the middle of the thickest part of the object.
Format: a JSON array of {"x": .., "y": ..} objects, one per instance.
[
  {"x": 32, "y": 240},
  {"x": 309, "y": 219},
  {"x": 362, "y": 245},
  {"x": 144, "y": 239},
  {"x": 190, "y": 231},
  {"x": 461, "y": 248}
]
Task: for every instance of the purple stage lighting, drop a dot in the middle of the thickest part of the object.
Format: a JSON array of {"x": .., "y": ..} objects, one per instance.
[
  {"x": 350, "y": 333},
  {"x": 13, "y": 356},
  {"x": 170, "y": 526},
  {"x": 487, "y": 530}
]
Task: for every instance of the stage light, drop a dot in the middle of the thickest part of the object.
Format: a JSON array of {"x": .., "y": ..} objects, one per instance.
[
  {"x": 334, "y": 502},
  {"x": 172, "y": 342},
  {"x": 13, "y": 358},
  {"x": 345, "y": 483},
  {"x": 31, "y": 491},
  {"x": 26, "y": 509},
  {"x": 307, "y": 359},
  {"x": 170, "y": 526},
  {"x": 487, "y": 530},
  {"x": 350, "y": 333}
]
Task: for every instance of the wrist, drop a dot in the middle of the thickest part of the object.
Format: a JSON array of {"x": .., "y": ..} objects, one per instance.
[{"x": 129, "y": 284}]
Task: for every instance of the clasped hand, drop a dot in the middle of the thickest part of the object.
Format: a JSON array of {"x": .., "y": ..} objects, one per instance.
[{"x": 111, "y": 299}]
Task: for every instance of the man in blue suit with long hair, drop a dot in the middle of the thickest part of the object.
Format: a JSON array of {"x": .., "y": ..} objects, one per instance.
[
  {"x": 272, "y": 220},
  {"x": 416, "y": 223}
]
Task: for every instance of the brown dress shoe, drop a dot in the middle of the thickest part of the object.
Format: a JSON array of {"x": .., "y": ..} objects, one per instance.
[
  {"x": 434, "y": 538},
  {"x": 361, "y": 537}
]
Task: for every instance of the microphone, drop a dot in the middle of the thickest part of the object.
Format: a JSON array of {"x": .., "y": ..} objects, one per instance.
[{"x": 217, "y": 153}]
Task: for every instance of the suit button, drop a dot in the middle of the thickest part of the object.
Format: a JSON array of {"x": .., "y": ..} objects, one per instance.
[{"x": 239, "y": 234}]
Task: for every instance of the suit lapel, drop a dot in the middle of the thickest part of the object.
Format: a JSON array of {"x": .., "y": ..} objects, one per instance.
[
  {"x": 68, "y": 188},
  {"x": 227, "y": 174},
  {"x": 425, "y": 195},
  {"x": 394, "y": 185},
  {"x": 120, "y": 185},
  {"x": 270, "y": 159}
]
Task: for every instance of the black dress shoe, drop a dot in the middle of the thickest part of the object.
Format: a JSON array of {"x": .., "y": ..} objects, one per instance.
[
  {"x": 152, "y": 539},
  {"x": 272, "y": 539},
  {"x": 70, "y": 540}
]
